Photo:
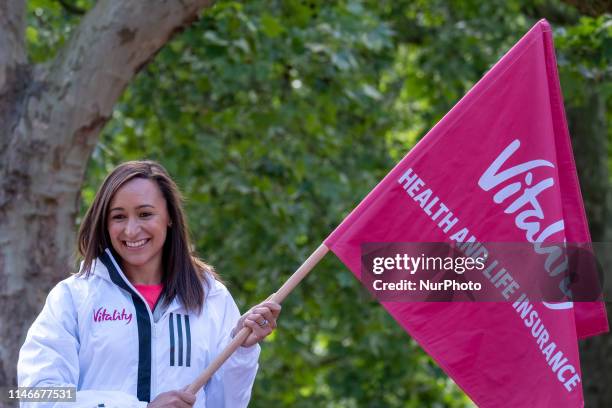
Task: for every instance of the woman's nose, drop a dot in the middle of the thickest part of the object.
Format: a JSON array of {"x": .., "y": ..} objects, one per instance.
[{"x": 131, "y": 228}]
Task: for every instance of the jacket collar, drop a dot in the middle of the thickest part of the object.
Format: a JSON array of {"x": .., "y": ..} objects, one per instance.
[{"x": 106, "y": 267}]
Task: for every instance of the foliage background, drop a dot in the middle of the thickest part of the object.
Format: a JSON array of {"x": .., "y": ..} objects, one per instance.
[{"x": 277, "y": 117}]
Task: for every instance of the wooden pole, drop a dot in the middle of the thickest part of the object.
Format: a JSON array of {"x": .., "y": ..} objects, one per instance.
[{"x": 242, "y": 335}]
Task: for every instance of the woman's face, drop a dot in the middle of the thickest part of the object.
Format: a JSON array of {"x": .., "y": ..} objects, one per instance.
[{"x": 137, "y": 224}]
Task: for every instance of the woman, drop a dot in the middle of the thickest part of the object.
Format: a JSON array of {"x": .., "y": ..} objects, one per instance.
[{"x": 143, "y": 317}]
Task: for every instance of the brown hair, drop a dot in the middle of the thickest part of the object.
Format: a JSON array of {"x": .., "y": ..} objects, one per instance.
[{"x": 183, "y": 271}]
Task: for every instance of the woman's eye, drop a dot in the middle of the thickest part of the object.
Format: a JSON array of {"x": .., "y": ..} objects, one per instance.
[
  {"x": 145, "y": 214},
  {"x": 118, "y": 217}
]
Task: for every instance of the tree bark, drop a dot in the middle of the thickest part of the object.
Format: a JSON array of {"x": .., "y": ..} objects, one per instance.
[
  {"x": 587, "y": 123},
  {"x": 50, "y": 119}
]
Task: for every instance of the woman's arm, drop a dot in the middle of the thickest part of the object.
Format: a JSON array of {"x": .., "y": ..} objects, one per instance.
[{"x": 231, "y": 385}]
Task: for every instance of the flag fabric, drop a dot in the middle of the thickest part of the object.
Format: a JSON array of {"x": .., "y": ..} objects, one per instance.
[{"x": 498, "y": 167}]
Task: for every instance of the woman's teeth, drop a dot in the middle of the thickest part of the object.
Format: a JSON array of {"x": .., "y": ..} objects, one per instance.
[{"x": 136, "y": 244}]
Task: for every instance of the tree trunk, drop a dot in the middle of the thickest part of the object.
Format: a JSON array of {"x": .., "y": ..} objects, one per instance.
[
  {"x": 50, "y": 119},
  {"x": 588, "y": 128},
  {"x": 587, "y": 123}
]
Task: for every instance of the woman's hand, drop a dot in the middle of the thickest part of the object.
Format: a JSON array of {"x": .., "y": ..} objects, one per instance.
[
  {"x": 173, "y": 399},
  {"x": 261, "y": 319}
]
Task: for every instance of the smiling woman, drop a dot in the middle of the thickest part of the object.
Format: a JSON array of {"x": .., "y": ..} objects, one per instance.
[{"x": 144, "y": 316}]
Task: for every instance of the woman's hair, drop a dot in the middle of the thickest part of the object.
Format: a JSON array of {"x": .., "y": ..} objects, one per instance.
[{"x": 183, "y": 272}]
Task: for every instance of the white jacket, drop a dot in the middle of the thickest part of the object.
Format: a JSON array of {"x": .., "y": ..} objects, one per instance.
[{"x": 99, "y": 335}]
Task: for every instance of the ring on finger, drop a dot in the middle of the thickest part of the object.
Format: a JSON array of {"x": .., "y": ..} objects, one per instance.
[{"x": 263, "y": 323}]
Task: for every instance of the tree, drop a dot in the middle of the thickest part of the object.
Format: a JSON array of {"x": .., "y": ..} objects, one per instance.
[
  {"x": 50, "y": 117},
  {"x": 586, "y": 74}
]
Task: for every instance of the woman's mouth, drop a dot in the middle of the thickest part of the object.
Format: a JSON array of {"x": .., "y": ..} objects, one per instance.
[{"x": 136, "y": 244}]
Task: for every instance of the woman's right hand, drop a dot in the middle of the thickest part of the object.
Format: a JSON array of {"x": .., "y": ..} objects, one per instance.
[{"x": 173, "y": 399}]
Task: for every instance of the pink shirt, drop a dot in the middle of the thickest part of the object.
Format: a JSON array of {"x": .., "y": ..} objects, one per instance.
[{"x": 150, "y": 293}]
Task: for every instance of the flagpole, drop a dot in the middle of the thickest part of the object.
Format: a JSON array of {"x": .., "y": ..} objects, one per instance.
[{"x": 242, "y": 335}]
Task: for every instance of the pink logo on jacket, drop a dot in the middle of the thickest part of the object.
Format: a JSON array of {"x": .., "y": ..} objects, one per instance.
[{"x": 102, "y": 315}]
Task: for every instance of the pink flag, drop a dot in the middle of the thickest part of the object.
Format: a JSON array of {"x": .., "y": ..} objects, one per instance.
[{"x": 499, "y": 168}]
